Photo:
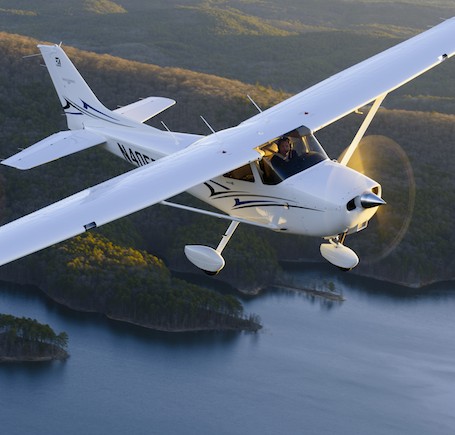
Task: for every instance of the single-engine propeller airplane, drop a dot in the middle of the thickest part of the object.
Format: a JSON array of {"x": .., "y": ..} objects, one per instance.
[{"x": 233, "y": 170}]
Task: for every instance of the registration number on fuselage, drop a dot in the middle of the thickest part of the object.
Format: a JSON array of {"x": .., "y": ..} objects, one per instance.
[{"x": 134, "y": 157}]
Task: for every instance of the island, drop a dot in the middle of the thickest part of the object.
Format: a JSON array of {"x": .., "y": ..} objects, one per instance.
[{"x": 25, "y": 339}]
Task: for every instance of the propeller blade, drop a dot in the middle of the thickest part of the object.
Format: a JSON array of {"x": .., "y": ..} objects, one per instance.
[{"x": 384, "y": 160}]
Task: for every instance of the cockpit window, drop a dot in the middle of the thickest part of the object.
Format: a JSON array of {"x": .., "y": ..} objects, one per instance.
[
  {"x": 290, "y": 154},
  {"x": 243, "y": 173}
]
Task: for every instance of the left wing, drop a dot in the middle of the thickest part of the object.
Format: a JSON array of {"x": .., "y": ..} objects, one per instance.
[{"x": 121, "y": 196}]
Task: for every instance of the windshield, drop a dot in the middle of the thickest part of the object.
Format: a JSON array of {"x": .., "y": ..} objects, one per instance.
[{"x": 290, "y": 154}]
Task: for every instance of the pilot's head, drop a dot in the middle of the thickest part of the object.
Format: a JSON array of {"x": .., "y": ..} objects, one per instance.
[{"x": 284, "y": 145}]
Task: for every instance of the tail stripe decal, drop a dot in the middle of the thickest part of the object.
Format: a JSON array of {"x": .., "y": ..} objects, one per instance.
[{"x": 88, "y": 110}]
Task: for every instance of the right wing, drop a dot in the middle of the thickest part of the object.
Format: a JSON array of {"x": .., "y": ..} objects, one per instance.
[{"x": 120, "y": 196}]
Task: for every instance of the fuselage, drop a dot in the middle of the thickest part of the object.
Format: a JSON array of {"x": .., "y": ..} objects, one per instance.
[{"x": 312, "y": 202}]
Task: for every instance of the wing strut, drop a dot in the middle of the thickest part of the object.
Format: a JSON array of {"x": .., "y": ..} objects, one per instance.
[
  {"x": 269, "y": 226},
  {"x": 363, "y": 128}
]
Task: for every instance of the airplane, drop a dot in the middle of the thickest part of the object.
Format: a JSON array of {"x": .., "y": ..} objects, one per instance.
[{"x": 232, "y": 169}]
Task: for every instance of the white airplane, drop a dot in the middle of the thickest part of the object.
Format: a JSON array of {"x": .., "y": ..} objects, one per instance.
[{"x": 230, "y": 169}]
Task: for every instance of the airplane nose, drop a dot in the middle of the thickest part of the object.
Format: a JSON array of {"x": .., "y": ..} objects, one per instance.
[{"x": 369, "y": 200}]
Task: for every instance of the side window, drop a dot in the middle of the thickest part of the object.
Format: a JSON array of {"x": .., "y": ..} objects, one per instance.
[{"x": 243, "y": 173}]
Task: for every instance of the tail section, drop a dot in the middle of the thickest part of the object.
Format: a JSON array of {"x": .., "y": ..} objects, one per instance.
[
  {"x": 79, "y": 103},
  {"x": 84, "y": 113}
]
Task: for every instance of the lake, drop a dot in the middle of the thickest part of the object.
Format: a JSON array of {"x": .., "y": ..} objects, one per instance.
[{"x": 380, "y": 362}]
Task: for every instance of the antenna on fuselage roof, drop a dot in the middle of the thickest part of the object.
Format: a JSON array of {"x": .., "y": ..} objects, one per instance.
[
  {"x": 207, "y": 124},
  {"x": 254, "y": 103},
  {"x": 165, "y": 126},
  {"x": 169, "y": 131}
]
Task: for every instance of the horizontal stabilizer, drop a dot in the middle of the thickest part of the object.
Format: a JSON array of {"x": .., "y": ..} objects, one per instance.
[
  {"x": 54, "y": 147},
  {"x": 142, "y": 110}
]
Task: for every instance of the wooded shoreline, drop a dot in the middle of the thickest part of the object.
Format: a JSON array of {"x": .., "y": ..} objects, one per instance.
[
  {"x": 24, "y": 339},
  {"x": 117, "y": 278}
]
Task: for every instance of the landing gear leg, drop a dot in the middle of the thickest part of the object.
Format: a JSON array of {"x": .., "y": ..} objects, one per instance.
[
  {"x": 227, "y": 236},
  {"x": 342, "y": 238},
  {"x": 208, "y": 259}
]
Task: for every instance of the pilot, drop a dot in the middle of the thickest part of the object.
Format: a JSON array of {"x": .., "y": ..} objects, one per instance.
[{"x": 282, "y": 160}]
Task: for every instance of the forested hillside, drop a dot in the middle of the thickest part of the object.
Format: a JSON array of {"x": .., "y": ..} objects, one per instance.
[
  {"x": 252, "y": 256},
  {"x": 288, "y": 44}
]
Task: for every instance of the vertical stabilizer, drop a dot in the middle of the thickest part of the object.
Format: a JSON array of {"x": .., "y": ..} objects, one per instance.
[{"x": 79, "y": 103}]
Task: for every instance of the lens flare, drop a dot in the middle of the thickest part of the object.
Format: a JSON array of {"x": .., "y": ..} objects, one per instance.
[{"x": 383, "y": 160}]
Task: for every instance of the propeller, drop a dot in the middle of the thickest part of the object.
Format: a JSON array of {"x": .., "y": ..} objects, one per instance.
[{"x": 383, "y": 160}]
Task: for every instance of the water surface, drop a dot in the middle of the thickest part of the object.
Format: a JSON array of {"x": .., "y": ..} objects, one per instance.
[{"x": 381, "y": 362}]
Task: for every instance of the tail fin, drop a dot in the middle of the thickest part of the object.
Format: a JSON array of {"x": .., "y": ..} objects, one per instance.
[{"x": 79, "y": 103}]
